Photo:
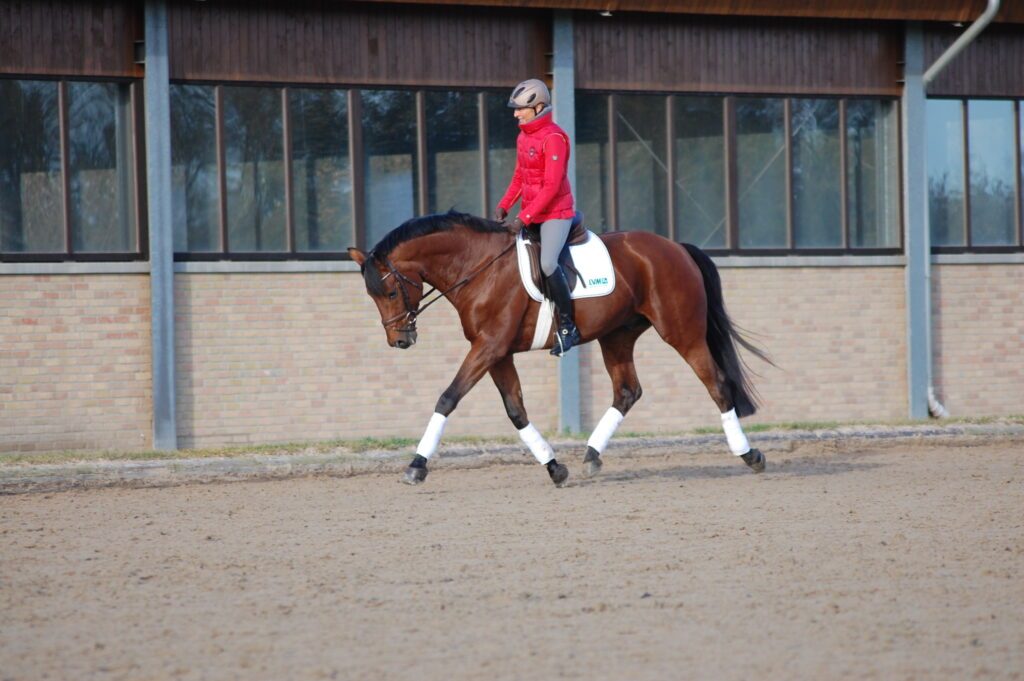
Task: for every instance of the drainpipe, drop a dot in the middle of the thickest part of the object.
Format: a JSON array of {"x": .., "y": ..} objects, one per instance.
[
  {"x": 963, "y": 41},
  {"x": 919, "y": 314}
]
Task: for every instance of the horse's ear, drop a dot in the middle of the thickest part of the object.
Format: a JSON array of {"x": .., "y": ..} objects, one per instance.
[{"x": 357, "y": 255}]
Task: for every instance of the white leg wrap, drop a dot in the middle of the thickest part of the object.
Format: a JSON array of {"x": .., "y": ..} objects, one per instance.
[
  {"x": 738, "y": 444},
  {"x": 539, "y": 447},
  {"x": 606, "y": 427},
  {"x": 432, "y": 436}
]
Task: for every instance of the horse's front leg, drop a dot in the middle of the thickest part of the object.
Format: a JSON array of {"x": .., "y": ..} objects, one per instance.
[
  {"x": 479, "y": 360},
  {"x": 506, "y": 378}
]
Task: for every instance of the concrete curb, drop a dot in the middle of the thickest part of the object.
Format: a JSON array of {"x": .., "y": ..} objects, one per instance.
[{"x": 21, "y": 479}]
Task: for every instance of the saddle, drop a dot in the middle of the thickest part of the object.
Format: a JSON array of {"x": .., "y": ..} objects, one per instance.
[{"x": 577, "y": 235}]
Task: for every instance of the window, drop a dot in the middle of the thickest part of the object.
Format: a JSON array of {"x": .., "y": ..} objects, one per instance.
[
  {"x": 68, "y": 173},
  {"x": 453, "y": 152},
  {"x": 303, "y": 173},
  {"x": 974, "y": 173},
  {"x": 321, "y": 170},
  {"x": 700, "y": 171},
  {"x": 391, "y": 160},
  {"x": 742, "y": 174},
  {"x": 594, "y": 191}
]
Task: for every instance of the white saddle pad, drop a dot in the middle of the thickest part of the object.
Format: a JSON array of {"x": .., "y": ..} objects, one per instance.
[{"x": 597, "y": 276}]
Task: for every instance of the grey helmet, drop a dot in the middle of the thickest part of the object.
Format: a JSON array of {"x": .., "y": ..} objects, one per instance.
[{"x": 530, "y": 93}]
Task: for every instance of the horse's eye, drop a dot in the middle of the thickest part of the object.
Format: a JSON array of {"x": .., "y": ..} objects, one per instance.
[{"x": 393, "y": 295}]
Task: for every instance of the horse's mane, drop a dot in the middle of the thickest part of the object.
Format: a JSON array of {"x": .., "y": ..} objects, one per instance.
[{"x": 415, "y": 228}]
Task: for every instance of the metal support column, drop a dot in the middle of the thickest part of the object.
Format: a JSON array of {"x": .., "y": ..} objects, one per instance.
[
  {"x": 564, "y": 101},
  {"x": 915, "y": 216},
  {"x": 161, "y": 242}
]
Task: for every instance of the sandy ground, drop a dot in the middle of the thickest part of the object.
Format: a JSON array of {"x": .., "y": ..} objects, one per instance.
[{"x": 871, "y": 561}]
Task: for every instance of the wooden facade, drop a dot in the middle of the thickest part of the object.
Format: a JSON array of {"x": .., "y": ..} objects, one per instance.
[
  {"x": 643, "y": 52},
  {"x": 991, "y": 66},
  {"x": 889, "y": 10},
  {"x": 70, "y": 38},
  {"x": 350, "y": 43}
]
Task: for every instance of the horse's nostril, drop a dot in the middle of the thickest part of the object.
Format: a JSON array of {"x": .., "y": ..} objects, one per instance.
[{"x": 401, "y": 344}]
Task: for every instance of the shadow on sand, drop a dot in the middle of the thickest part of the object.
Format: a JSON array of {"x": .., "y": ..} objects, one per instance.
[{"x": 787, "y": 468}]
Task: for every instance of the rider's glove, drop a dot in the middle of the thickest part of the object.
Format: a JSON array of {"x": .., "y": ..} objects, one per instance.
[
  {"x": 500, "y": 214},
  {"x": 514, "y": 226}
]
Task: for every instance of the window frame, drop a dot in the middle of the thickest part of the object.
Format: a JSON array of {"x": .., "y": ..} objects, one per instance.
[
  {"x": 1018, "y": 160},
  {"x": 731, "y": 174},
  {"x": 137, "y": 172}
]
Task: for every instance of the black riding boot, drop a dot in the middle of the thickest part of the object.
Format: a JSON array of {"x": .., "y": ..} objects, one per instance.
[{"x": 568, "y": 335}]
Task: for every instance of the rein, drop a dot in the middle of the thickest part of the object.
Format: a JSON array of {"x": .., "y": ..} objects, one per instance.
[{"x": 410, "y": 315}]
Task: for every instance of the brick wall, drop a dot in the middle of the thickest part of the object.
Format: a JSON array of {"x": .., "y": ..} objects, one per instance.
[
  {"x": 978, "y": 338},
  {"x": 289, "y": 357},
  {"x": 75, "y": 362},
  {"x": 293, "y": 357},
  {"x": 838, "y": 336}
]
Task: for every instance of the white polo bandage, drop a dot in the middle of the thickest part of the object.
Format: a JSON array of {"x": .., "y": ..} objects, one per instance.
[
  {"x": 606, "y": 427},
  {"x": 738, "y": 444},
  {"x": 432, "y": 436},
  {"x": 539, "y": 447}
]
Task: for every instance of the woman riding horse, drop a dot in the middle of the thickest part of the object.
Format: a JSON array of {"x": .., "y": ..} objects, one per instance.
[{"x": 540, "y": 177}]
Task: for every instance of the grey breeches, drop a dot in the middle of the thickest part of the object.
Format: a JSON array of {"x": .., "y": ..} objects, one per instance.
[{"x": 552, "y": 238}]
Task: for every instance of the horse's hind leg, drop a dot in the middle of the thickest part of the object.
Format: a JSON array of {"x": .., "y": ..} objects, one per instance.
[
  {"x": 506, "y": 378},
  {"x": 698, "y": 356},
  {"x": 617, "y": 350}
]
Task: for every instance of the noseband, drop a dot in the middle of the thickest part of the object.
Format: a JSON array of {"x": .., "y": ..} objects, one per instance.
[{"x": 411, "y": 313}]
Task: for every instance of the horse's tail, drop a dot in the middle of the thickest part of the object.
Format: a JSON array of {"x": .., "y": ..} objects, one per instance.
[{"x": 722, "y": 337}]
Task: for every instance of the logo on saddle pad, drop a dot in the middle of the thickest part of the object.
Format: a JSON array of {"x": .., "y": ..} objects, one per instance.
[{"x": 590, "y": 259}]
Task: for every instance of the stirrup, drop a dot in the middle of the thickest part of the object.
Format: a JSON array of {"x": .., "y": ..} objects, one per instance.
[{"x": 565, "y": 341}]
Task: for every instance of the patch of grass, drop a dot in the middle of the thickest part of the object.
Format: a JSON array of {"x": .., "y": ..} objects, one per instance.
[{"x": 365, "y": 444}]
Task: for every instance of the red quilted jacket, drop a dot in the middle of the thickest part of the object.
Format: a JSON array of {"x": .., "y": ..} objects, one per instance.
[{"x": 542, "y": 157}]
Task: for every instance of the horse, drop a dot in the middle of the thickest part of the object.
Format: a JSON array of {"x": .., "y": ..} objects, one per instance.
[{"x": 471, "y": 262}]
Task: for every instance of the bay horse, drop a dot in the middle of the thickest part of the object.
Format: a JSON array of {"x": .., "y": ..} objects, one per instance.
[{"x": 471, "y": 261}]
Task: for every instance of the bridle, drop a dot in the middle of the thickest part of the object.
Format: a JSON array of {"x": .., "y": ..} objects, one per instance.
[{"x": 412, "y": 313}]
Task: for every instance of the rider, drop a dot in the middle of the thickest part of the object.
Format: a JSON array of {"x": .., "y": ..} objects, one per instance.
[{"x": 542, "y": 155}]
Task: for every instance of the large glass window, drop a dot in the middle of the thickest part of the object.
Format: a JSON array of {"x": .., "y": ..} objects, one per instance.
[
  {"x": 390, "y": 161},
  {"x": 872, "y": 173},
  {"x": 944, "y": 158},
  {"x": 700, "y": 171},
  {"x": 195, "y": 189},
  {"x": 453, "y": 152},
  {"x": 593, "y": 191},
  {"x": 761, "y": 172},
  {"x": 68, "y": 172},
  {"x": 31, "y": 212},
  {"x": 502, "y": 131},
  {"x": 272, "y": 169},
  {"x": 321, "y": 169},
  {"x": 817, "y": 184},
  {"x": 990, "y": 131},
  {"x": 99, "y": 144},
  {"x": 742, "y": 173},
  {"x": 254, "y": 169},
  {"x": 641, "y": 168},
  {"x": 974, "y": 181}
]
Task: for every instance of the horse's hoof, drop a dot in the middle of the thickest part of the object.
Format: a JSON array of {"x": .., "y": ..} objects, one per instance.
[
  {"x": 558, "y": 472},
  {"x": 755, "y": 459},
  {"x": 414, "y": 476},
  {"x": 416, "y": 472},
  {"x": 592, "y": 463}
]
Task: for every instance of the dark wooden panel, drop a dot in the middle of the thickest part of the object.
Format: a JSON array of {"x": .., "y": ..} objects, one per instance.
[
  {"x": 70, "y": 37},
  {"x": 668, "y": 53},
  {"x": 921, "y": 10},
  {"x": 991, "y": 66},
  {"x": 319, "y": 41}
]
